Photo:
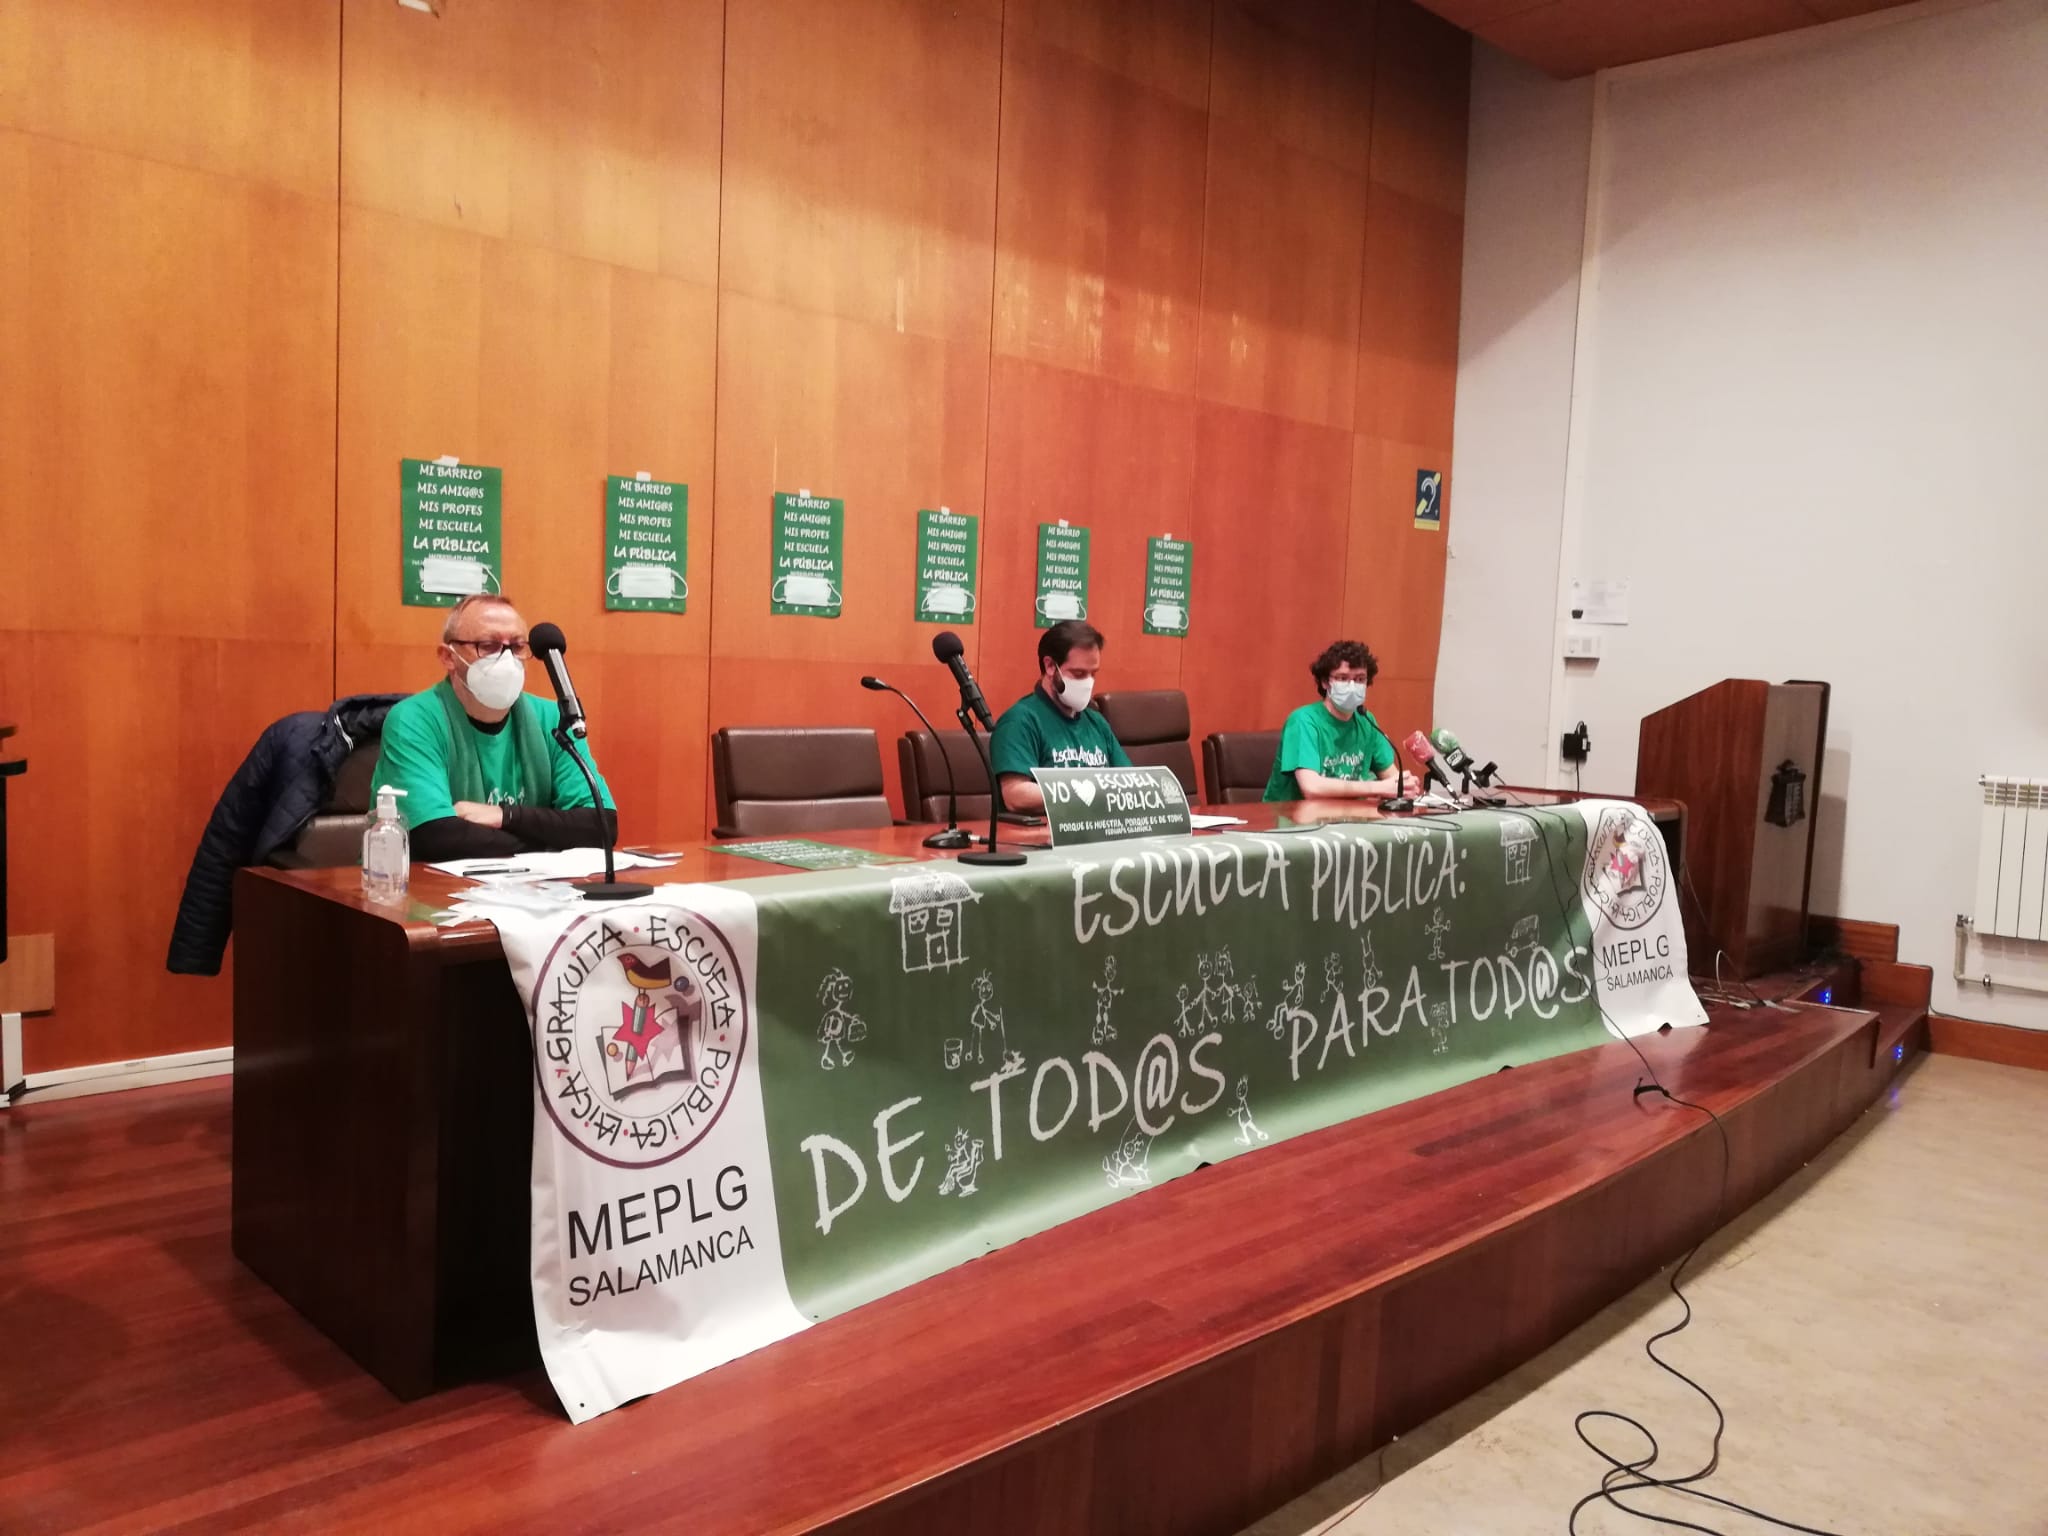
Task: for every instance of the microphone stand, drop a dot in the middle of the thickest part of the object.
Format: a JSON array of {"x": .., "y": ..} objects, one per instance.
[
  {"x": 953, "y": 836},
  {"x": 611, "y": 887},
  {"x": 989, "y": 855}
]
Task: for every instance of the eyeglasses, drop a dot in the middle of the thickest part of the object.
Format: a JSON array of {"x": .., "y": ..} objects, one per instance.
[{"x": 488, "y": 647}]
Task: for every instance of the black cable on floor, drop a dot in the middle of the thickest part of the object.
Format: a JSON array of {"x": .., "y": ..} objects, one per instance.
[{"x": 1627, "y": 1476}]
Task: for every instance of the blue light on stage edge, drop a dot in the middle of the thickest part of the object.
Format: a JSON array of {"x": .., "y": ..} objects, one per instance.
[
  {"x": 1827, "y": 995},
  {"x": 1899, "y": 1051}
]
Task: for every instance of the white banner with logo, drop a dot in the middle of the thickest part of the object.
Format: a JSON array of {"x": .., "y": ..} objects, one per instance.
[
  {"x": 913, "y": 1064},
  {"x": 649, "y": 1267}
]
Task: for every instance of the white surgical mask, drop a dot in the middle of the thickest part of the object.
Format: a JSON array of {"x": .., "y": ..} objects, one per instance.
[
  {"x": 1060, "y": 605},
  {"x": 496, "y": 681},
  {"x": 453, "y": 576},
  {"x": 648, "y": 581},
  {"x": 1348, "y": 696},
  {"x": 1078, "y": 691}
]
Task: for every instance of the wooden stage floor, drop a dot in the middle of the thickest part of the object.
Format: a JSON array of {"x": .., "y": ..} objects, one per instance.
[{"x": 1181, "y": 1362}]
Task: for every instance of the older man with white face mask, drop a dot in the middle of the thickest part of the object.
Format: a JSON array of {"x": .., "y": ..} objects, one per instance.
[{"x": 476, "y": 754}]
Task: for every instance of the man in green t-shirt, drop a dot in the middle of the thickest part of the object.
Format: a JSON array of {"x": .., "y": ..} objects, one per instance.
[
  {"x": 1334, "y": 749},
  {"x": 476, "y": 754},
  {"x": 1052, "y": 725}
]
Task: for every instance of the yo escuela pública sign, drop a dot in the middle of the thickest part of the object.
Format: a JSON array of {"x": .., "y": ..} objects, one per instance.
[{"x": 1105, "y": 805}]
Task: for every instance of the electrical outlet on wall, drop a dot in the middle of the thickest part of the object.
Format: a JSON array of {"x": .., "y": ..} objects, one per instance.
[{"x": 1581, "y": 646}]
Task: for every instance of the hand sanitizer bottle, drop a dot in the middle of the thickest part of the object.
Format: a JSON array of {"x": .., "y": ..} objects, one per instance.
[{"x": 387, "y": 850}]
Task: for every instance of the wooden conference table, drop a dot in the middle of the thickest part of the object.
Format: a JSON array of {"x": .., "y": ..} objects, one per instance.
[{"x": 383, "y": 1103}]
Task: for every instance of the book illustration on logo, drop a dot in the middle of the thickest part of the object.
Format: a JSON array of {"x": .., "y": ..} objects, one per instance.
[
  {"x": 654, "y": 1040},
  {"x": 1128, "y": 1166},
  {"x": 1248, "y": 1130},
  {"x": 963, "y": 1162},
  {"x": 1438, "y": 928},
  {"x": 839, "y": 1027},
  {"x": 1106, "y": 993}
]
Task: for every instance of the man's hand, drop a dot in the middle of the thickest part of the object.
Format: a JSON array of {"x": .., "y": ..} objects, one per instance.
[
  {"x": 482, "y": 815},
  {"x": 1410, "y": 785}
]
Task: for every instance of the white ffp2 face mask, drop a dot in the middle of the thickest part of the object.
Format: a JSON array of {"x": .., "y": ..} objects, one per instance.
[
  {"x": 496, "y": 681},
  {"x": 1347, "y": 696},
  {"x": 1075, "y": 692}
]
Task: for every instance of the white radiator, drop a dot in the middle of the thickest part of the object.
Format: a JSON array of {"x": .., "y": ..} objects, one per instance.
[{"x": 2012, "y": 859}]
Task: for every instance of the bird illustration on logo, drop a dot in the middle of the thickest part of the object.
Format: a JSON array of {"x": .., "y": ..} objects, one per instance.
[{"x": 653, "y": 1039}]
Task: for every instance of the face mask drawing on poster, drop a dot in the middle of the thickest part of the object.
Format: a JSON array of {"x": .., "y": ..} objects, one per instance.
[
  {"x": 456, "y": 576},
  {"x": 805, "y": 591},
  {"x": 1167, "y": 616},
  {"x": 948, "y": 600},
  {"x": 637, "y": 580},
  {"x": 1061, "y": 605}
]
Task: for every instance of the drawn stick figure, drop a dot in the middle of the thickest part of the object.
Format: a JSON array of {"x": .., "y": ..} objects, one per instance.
[
  {"x": 839, "y": 1029},
  {"x": 1247, "y": 1128},
  {"x": 986, "y": 1020}
]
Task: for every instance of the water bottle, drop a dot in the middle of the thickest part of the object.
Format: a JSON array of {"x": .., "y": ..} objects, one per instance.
[{"x": 387, "y": 850}]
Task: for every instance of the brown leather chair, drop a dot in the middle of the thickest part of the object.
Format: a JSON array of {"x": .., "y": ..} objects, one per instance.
[
  {"x": 1237, "y": 765},
  {"x": 333, "y": 839},
  {"x": 772, "y": 781},
  {"x": 1153, "y": 727},
  {"x": 924, "y": 776}
]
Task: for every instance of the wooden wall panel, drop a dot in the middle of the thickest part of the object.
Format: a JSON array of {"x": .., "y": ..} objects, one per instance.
[
  {"x": 243, "y": 88},
  {"x": 1162, "y": 265},
  {"x": 1098, "y": 230},
  {"x": 1110, "y": 457},
  {"x": 167, "y": 292},
  {"x": 590, "y": 129},
  {"x": 1272, "y": 515}
]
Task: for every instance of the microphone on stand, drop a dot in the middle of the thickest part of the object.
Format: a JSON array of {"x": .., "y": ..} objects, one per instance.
[
  {"x": 546, "y": 642},
  {"x": 1424, "y": 754},
  {"x": 948, "y": 648},
  {"x": 1460, "y": 763},
  {"x": 953, "y": 836}
]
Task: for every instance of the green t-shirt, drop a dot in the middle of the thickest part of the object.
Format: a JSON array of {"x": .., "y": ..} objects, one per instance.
[
  {"x": 1036, "y": 733},
  {"x": 1317, "y": 740},
  {"x": 414, "y": 759}
]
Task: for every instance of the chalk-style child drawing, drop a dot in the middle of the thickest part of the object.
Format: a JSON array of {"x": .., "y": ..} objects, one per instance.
[
  {"x": 931, "y": 914},
  {"x": 1522, "y": 939},
  {"x": 1247, "y": 1129},
  {"x": 1293, "y": 998},
  {"x": 986, "y": 1020},
  {"x": 1438, "y": 928},
  {"x": 839, "y": 1029},
  {"x": 1225, "y": 1007},
  {"x": 1515, "y": 837},
  {"x": 1106, "y": 994},
  {"x": 1333, "y": 975},
  {"x": 1374, "y": 976},
  {"x": 1128, "y": 1166},
  {"x": 1248, "y": 999},
  {"x": 1189, "y": 1022},
  {"x": 1439, "y": 1028},
  {"x": 963, "y": 1162}
]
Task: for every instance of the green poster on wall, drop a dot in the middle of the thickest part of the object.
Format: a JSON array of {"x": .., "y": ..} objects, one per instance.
[
  {"x": 448, "y": 526},
  {"x": 806, "y": 573},
  {"x": 646, "y": 545},
  {"x": 1169, "y": 574},
  {"x": 948, "y": 547},
  {"x": 1062, "y": 574}
]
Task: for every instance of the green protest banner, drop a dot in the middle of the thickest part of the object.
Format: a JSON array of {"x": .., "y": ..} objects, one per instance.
[
  {"x": 948, "y": 550},
  {"x": 1169, "y": 577},
  {"x": 646, "y": 545},
  {"x": 1106, "y": 805},
  {"x": 806, "y": 853},
  {"x": 762, "y": 1103},
  {"x": 1062, "y": 574},
  {"x": 806, "y": 572},
  {"x": 448, "y": 529}
]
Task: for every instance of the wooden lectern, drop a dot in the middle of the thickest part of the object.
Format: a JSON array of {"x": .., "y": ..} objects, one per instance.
[{"x": 1745, "y": 758}]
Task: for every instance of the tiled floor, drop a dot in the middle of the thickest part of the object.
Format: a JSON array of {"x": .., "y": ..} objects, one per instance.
[{"x": 1877, "y": 1333}]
